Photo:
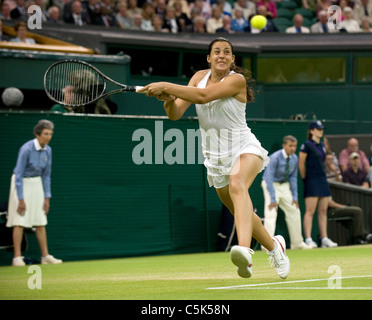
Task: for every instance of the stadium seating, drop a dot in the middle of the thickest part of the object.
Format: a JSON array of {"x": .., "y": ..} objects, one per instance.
[
  {"x": 307, "y": 22},
  {"x": 284, "y": 13},
  {"x": 304, "y": 12},
  {"x": 287, "y": 4},
  {"x": 282, "y": 23}
]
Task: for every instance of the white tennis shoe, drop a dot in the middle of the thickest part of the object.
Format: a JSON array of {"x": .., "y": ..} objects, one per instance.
[
  {"x": 242, "y": 258},
  {"x": 311, "y": 243},
  {"x": 18, "y": 262},
  {"x": 49, "y": 259},
  {"x": 278, "y": 258},
  {"x": 328, "y": 243}
]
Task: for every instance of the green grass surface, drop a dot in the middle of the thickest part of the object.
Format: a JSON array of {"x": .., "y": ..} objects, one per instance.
[{"x": 190, "y": 277}]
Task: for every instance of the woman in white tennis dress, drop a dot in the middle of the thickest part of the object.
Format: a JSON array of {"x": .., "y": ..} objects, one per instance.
[{"x": 233, "y": 155}]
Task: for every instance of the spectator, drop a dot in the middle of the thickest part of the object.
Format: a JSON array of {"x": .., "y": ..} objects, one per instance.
[
  {"x": 366, "y": 25},
  {"x": 239, "y": 23},
  {"x": 195, "y": 12},
  {"x": 19, "y": 12},
  {"x": 248, "y": 8},
  {"x": 147, "y": 12},
  {"x": 363, "y": 9},
  {"x": 270, "y": 26},
  {"x": 279, "y": 185},
  {"x": 344, "y": 157},
  {"x": 270, "y": 7},
  {"x": 68, "y": 96},
  {"x": 54, "y": 15},
  {"x": 21, "y": 29},
  {"x": 370, "y": 168},
  {"x": 353, "y": 174},
  {"x": 321, "y": 5},
  {"x": 61, "y": 108},
  {"x": 322, "y": 25},
  {"x": 225, "y": 7},
  {"x": 109, "y": 4},
  {"x": 339, "y": 210},
  {"x": 297, "y": 25},
  {"x": 30, "y": 192},
  {"x": 349, "y": 23},
  {"x": 5, "y": 10},
  {"x": 93, "y": 8},
  {"x": 215, "y": 21},
  {"x": 77, "y": 16},
  {"x": 105, "y": 18},
  {"x": 42, "y": 5},
  {"x": 198, "y": 25},
  {"x": 161, "y": 8},
  {"x": 170, "y": 21},
  {"x": 343, "y": 4},
  {"x": 205, "y": 10},
  {"x": 316, "y": 188},
  {"x": 328, "y": 148},
  {"x": 309, "y": 4},
  {"x": 157, "y": 24},
  {"x": 133, "y": 11},
  {"x": 182, "y": 17},
  {"x": 332, "y": 167},
  {"x": 3, "y": 37},
  {"x": 182, "y": 7},
  {"x": 67, "y": 8},
  {"x": 333, "y": 172},
  {"x": 123, "y": 17},
  {"x": 136, "y": 22},
  {"x": 226, "y": 25}
]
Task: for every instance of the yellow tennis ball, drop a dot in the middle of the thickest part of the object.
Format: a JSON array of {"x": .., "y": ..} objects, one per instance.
[{"x": 258, "y": 22}]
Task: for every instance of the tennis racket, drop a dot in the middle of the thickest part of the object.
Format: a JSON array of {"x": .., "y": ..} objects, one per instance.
[{"x": 77, "y": 83}]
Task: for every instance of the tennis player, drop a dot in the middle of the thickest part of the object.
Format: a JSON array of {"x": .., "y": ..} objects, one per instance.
[
  {"x": 29, "y": 197},
  {"x": 233, "y": 155}
]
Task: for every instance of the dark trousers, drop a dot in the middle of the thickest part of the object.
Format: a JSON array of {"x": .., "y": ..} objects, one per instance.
[{"x": 356, "y": 213}]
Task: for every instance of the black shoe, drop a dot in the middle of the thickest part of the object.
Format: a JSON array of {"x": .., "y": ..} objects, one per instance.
[
  {"x": 359, "y": 240},
  {"x": 368, "y": 238}
]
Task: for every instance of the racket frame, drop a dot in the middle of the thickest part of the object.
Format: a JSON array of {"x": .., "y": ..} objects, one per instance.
[{"x": 123, "y": 87}]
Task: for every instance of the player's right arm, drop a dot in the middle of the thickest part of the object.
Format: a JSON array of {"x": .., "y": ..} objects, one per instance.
[{"x": 175, "y": 108}]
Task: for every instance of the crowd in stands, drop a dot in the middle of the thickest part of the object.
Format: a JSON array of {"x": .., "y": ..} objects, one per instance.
[
  {"x": 198, "y": 16},
  {"x": 352, "y": 165}
]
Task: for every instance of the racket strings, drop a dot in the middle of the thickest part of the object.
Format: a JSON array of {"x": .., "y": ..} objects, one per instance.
[{"x": 73, "y": 83}]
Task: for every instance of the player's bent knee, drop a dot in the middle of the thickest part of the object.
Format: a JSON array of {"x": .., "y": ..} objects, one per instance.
[{"x": 237, "y": 186}]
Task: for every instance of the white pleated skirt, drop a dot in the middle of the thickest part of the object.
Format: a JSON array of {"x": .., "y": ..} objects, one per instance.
[{"x": 33, "y": 193}]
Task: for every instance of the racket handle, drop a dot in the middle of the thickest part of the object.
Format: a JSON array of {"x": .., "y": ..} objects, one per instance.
[{"x": 139, "y": 88}]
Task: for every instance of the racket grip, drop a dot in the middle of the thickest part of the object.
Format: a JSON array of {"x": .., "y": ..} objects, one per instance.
[{"x": 139, "y": 88}]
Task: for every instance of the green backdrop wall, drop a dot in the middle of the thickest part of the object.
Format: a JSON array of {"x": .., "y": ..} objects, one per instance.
[{"x": 104, "y": 205}]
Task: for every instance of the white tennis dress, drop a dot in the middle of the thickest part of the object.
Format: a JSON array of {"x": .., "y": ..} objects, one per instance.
[{"x": 225, "y": 136}]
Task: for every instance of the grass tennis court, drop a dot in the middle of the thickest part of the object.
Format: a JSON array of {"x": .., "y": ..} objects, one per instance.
[{"x": 204, "y": 276}]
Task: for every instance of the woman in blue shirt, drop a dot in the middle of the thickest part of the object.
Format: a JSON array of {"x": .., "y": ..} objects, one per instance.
[
  {"x": 30, "y": 192},
  {"x": 239, "y": 23},
  {"x": 316, "y": 189},
  {"x": 21, "y": 29}
]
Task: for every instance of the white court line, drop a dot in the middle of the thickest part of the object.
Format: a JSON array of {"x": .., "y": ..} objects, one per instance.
[
  {"x": 258, "y": 285},
  {"x": 304, "y": 288}
]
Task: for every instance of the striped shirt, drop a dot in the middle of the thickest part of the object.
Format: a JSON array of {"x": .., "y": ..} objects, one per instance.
[{"x": 275, "y": 172}]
